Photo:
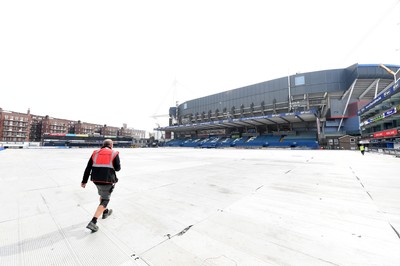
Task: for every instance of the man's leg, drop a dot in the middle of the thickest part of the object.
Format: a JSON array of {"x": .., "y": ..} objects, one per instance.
[
  {"x": 107, "y": 212},
  {"x": 99, "y": 211},
  {"x": 104, "y": 193}
]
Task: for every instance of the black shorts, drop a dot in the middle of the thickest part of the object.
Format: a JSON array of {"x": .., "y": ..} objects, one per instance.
[{"x": 105, "y": 190}]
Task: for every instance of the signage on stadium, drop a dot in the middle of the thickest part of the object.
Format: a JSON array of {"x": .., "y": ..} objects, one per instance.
[
  {"x": 211, "y": 132},
  {"x": 386, "y": 133},
  {"x": 77, "y": 135},
  {"x": 388, "y": 113},
  {"x": 387, "y": 94}
]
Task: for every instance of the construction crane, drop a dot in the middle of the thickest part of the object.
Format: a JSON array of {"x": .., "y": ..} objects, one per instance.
[
  {"x": 158, "y": 134},
  {"x": 155, "y": 116}
]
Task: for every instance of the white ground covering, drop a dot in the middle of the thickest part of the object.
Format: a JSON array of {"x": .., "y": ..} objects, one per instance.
[{"x": 203, "y": 207}]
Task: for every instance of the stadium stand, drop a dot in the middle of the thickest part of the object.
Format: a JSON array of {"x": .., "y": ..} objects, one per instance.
[{"x": 302, "y": 140}]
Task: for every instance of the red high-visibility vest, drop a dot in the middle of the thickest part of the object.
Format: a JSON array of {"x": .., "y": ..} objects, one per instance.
[{"x": 104, "y": 158}]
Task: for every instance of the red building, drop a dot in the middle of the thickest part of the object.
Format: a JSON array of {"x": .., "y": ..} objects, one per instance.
[
  {"x": 14, "y": 126},
  {"x": 87, "y": 128},
  {"x": 26, "y": 127}
]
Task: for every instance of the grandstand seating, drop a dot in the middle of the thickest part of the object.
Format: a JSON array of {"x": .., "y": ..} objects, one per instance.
[
  {"x": 259, "y": 141},
  {"x": 210, "y": 142},
  {"x": 193, "y": 142},
  {"x": 173, "y": 143},
  {"x": 239, "y": 141},
  {"x": 301, "y": 140},
  {"x": 224, "y": 142}
]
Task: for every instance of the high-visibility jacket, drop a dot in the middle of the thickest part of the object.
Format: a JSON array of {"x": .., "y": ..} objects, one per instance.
[
  {"x": 102, "y": 166},
  {"x": 104, "y": 158}
]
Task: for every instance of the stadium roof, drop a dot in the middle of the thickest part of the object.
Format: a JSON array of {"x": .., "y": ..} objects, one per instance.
[
  {"x": 281, "y": 118},
  {"x": 368, "y": 85}
]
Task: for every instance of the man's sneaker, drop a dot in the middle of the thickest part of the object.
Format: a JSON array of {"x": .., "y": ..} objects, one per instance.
[
  {"x": 92, "y": 226},
  {"x": 106, "y": 214}
]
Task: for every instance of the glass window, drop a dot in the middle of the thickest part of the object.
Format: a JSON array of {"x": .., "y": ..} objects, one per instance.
[{"x": 299, "y": 80}]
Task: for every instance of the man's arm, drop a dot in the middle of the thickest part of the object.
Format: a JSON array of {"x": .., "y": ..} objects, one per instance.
[
  {"x": 86, "y": 174},
  {"x": 117, "y": 163}
]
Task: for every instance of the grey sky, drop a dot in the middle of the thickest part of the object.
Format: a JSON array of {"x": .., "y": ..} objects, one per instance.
[{"x": 115, "y": 62}]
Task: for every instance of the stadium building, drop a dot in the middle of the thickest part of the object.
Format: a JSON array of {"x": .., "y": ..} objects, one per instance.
[
  {"x": 303, "y": 110},
  {"x": 380, "y": 119}
]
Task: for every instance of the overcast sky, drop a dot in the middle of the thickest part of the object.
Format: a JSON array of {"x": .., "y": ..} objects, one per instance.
[{"x": 114, "y": 62}]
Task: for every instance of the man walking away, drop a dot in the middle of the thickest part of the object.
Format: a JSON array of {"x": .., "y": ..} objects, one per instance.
[
  {"x": 102, "y": 166},
  {"x": 362, "y": 149}
]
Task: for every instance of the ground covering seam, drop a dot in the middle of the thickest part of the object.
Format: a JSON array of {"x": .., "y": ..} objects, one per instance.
[{"x": 370, "y": 196}]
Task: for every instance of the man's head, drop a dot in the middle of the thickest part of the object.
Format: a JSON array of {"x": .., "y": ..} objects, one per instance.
[{"x": 107, "y": 143}]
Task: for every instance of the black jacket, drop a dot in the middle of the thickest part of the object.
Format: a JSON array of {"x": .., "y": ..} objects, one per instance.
[{"x": 102, "y": 175}]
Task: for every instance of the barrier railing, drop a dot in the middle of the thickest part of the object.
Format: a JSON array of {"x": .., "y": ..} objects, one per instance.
[{"x": 395, "y": 152}]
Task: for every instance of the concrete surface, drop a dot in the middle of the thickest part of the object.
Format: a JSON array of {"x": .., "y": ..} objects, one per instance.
[{"x": 203, "y": 207}]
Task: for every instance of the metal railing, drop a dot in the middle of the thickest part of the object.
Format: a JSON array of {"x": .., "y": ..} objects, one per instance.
[{"x": 395, "y": 152}]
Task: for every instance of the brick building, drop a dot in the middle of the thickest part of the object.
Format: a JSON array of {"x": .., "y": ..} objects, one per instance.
[
  {"x": 110, "y": 131},
  {"x": 87, "y": 128},
  {"x": 27, "y": 127},
  {"x": 57, "y": 125},
  {"x": 14, "y": 126}
]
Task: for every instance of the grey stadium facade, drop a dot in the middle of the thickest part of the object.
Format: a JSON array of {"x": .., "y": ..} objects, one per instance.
[{"x": 320, "y": 106}]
